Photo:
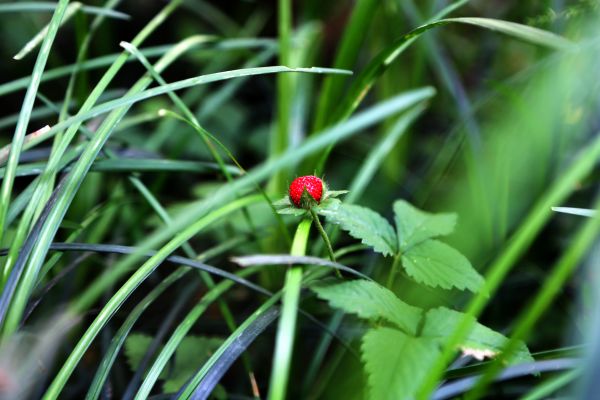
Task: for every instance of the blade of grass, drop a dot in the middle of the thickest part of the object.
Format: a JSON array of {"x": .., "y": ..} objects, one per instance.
[
  {"x": 550, "y": 386},
  {"x": 45, "y": 6},
  {"x": 21, "y": 129},
  {"x": 520, "y": 241},
  {"x": 279, "y": 137},
  {"x": 42, "y": 192},
  {"x": 286, "y": 328},
  {"x": 353, "y": 37},
  {"x": 183, "y": 84},
  {"x": 126, "y": 289},
  {"x": 42, "y": 34},
  {"x": 179, "y": 334},
  {"x": 117, "y": 341},
  {"x": 131, "y": 165},
  {"x": 553, "y": 284},
  {"x": 202, "y": 383},
  {"x": 376, "y": 67}
]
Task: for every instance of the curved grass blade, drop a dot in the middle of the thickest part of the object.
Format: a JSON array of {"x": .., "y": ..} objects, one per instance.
[
  {"x": 584, "y": 212},
  {"x": 521, "y": 239},
  {"x": 21, "y": 128},
  {"x": 202, "y": 384},
  {"x": 167, "y": 321},
  {"x": 286, "y": 259},
  {"x": 180, "y": 332},
  {"x": 353, "y": 37},
  {"x": 149, "y": 52},
  {"x": 380, "y": 63},
  {"x": 45, "y": 6},
  {"x": 553, "y": 284},
  {"x": 366, "y": 79},
  {"x": 43, "y": 190},
  {"x": 120, "y": 249},
  {"x": 128, "y": 287},
  {"x": 183, "y": 84},
  {"x": 117, "y": 342},
  {"x": 45, "y": 31},
  {"x": 13, "y": 279},
  {"x": 130, "y": 165},
  {"x": 454, "y": 389},
  {"x": 550, "y": 386}
]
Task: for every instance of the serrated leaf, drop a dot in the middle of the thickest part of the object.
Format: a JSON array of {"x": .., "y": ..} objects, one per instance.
[
  {"x": 481, "y": 341},
  {"x": 434, "y": 263},
  {"x": 367, "y": 225},
  {"x": 371, "y": 301},
  {"x": 396, "y": 364},
  {"x": 414, "y": 226}
]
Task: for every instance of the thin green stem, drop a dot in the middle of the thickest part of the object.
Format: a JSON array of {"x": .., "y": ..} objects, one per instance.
[
  {"x": 284, "y": 341},
  {"x": 323, "y": 234},
  {"x": 321, "y": 230},
  {"x": 393, "y": 271}
]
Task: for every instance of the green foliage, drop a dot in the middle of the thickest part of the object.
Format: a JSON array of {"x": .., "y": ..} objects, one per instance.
[
  {"x": 481, "y": 342},
  {"x": 426, "y": 260},
  {"x": 396, "y": 363},
  {"x": 371, "y": 301},
  {"x": 364, "y": 224},
  {"x": 191, "y": 352},
  {"x": 434, "y": 263},
  {"x": 414, "y": 226}
]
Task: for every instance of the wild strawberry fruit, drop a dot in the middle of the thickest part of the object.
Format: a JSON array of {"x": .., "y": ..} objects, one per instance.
[{"x": 310, "y": 184}]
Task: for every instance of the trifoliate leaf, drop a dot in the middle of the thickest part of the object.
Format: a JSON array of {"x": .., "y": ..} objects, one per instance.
[
  {"x": 481, "y": 342},
  {"x": 414, "y": 226},
  {"x": 371, "y": 301},
  {"x": 434, "y": 263},
  {"x": 396, "y": 363},
  {"x": 364, "y": 224}
]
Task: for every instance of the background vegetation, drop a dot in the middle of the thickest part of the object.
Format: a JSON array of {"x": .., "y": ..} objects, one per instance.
[{"x": 144, "y": 143}]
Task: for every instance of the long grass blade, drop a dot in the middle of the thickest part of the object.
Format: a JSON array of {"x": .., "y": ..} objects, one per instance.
[
  {"x": 46, "y": 6},
  {"x": 21, "y": 129},
  {"x": 202, "y": 383}
]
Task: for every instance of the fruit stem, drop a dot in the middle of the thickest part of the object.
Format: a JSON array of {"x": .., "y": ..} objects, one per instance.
[{"x": 315, "y": 218}]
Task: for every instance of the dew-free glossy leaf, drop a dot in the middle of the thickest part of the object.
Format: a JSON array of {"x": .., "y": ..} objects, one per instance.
[
  {"x": 414, "y": 226},
  {"x": 371, "y": 301},
  {"x": 364, "y": 224},
  {"x": 481, "y": 340},
  {"x": 396, "y": 363},
  {"x": 434, "y": 263}
]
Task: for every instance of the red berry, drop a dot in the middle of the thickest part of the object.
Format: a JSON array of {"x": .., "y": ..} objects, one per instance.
[{"x": 313, "y": 185}]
